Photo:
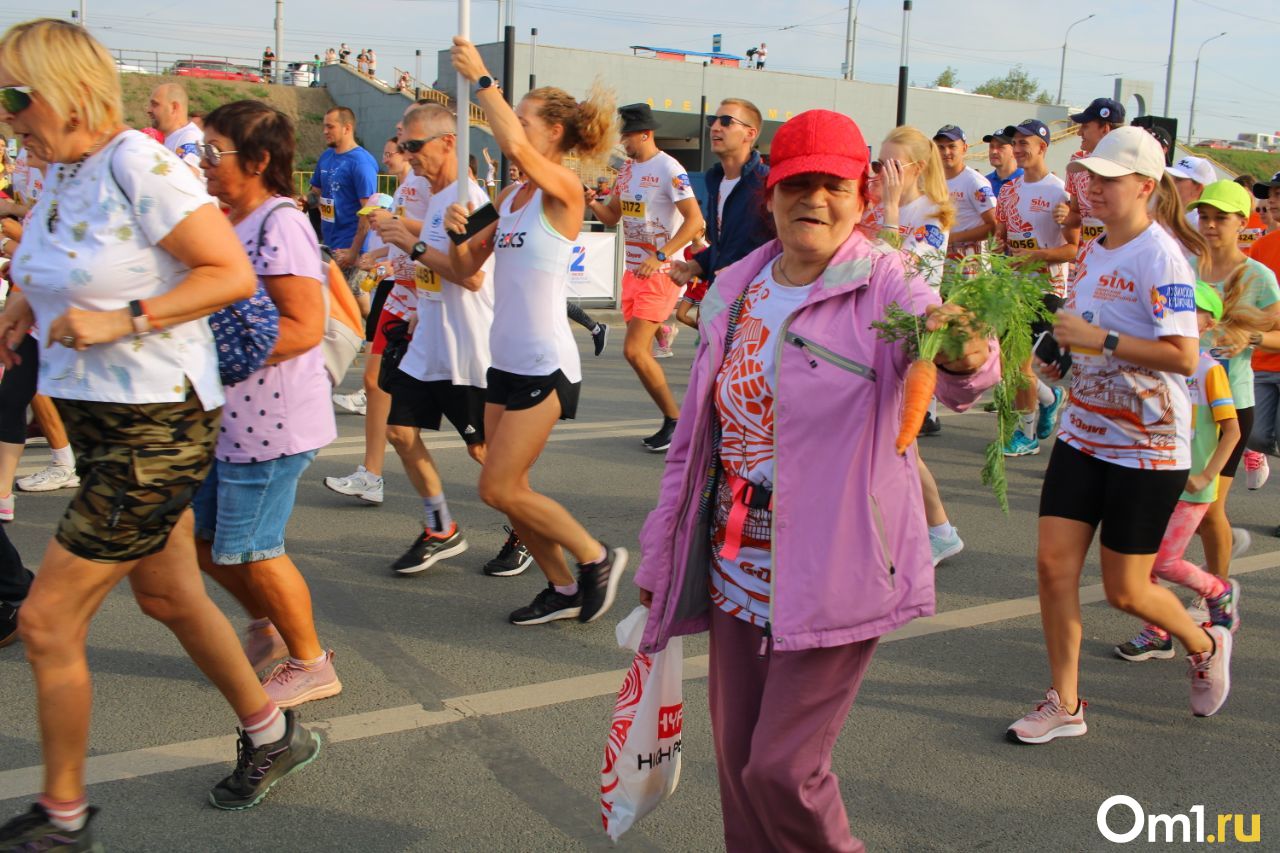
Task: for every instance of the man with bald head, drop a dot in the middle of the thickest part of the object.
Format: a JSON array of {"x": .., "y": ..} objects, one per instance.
[{"x": 167, "y": 109}]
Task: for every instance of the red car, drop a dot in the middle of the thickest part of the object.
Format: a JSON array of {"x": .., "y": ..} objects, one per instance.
[{"x": 212, "y": 69}]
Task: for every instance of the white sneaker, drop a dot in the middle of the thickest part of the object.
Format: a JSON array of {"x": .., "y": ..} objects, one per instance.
[
  {"x": 6, "y": 508},
  {"x": 353, "y": 403},
  {"x": 1198, "y": 610},
  {"x": 363, "y": 485},
  {"x": 1240, "y": 541},
  {"x": 49, "y": 479},
  {"x": 1256, "y": 469}
]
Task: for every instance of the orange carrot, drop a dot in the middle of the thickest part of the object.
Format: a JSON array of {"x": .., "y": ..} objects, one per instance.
[{"x": 917, "y": 391}]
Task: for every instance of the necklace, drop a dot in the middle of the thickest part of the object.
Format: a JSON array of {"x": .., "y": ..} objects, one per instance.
[
  {"x": 787, "y": 281},
  {"x": 65, "y": 174}
]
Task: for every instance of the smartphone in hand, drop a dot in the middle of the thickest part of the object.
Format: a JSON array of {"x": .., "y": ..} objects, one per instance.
[
  {"x": 1047, "y": 350},
  {"x": 478, "y": 220}
]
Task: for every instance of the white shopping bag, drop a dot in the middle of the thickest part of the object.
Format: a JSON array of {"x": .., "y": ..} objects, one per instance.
[{"x": 642, "y": 755}]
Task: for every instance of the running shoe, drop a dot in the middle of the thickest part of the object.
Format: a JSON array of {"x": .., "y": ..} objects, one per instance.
[
  {"x": 945, "y": 546},
  {"x": 1211, "y": 674},
  {"x": 1020, "y": 444},
  {"x": 363, "y": 485},
  {"x": 263, "y": 646},
  {"x": 1047, "y": 417},
  {"x": 665, "y": 337},
  {"x": 6, "y": 508},
  {"x": 598, "y": 583},
  {"x": 291, "y": 684},
  {"x": 430, "y": 548},
  {"x": 1151, "y": 643},
  {"x": 1223, "y": 610},
  {"x": 661, "y": 440},
  {"x": 353, "y": 403},
  {"x": 49, "y": 479},
  {"x": 548, "y": 606},
  {"x": 1256, "y": 469},
  {"x": 1048, "y": 721},
  {"x": 8, "y": 623},
  {"x": 512, "y": 560},
  {"x": 259, "y": 768},
  {"x": 600, "y": 337},
  {"x": 1241, "y": 541},
  {"x": 1198, "y": 610},
  {"x": 931, "y": 425},
  {"x": 35, "y": 831}
]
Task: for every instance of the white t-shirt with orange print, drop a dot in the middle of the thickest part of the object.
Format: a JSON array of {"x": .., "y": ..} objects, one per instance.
[{"x": 1026, "y": 211}]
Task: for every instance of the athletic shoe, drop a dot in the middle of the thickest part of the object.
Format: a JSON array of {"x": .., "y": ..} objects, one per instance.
[
  {"x": 660, "y": 440},
  {"x": 1048, "y": 721},
  {"x": 1240, "y": 541},
  {"x": 259, "y": 768},
  {"x": 35, "y": 831},
  {"x": 1223, "y": 610},
  {"x": 548, "y": 606},
  {"x": 1151, "y": 643},
  {"x": 6, "y": 508},
  {"x": 1211, "y": 674},
  {"x": 598, "y": 583},
  {"x": 8, "y": 623},
  {"x": 512, "y": 560},
  {"x": 1198, "y": 610},
  {"x": 600, "y": 337},
  {"x": 49, "y": 479},
  {"x": 1256, "y": 469},
  {"x": 1047, "y": 417},
  {"x": 1020, "y": 444},
  {"x": 945, "y": 546},
  {"x": 429, "y": 549},
  {"x": 931, "y": 425},
  {"x": 665, "y": 337},
  {"x": 353, "y": 403},
  {"x": 290, "y": 684},
  {"x": 363, "y": 485},
  {"x": 263, "y": 646}
]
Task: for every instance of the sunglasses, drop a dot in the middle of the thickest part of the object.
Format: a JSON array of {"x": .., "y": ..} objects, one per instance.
[
  {"x": 413, "y": 146},
  {"x": 210, "y": 153},
  {"x": 15, "y": 99},
  {"x": 725, "y": 121}
]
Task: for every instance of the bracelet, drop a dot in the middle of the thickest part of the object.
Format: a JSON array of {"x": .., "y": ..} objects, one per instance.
[{"x": 1255, "y": 339}]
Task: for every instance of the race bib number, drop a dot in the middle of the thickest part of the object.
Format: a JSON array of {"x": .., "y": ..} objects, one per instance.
[
  {"x": 326, "y": 210},
  {"x": 1025, "y": 242},
  {"x": 1092, "y": 229},
  {"x": 426, "y": 281},
  {"x": 633, "y": 209}
]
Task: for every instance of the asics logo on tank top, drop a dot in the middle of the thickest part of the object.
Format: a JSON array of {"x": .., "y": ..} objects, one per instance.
[{"x": 510, "y": 240}]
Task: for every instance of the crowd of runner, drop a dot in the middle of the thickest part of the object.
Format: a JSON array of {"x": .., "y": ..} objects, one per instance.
[{"x": 1161, "y": 281}]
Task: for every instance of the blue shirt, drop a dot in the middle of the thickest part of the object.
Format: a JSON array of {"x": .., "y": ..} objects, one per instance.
[
  {"x": 997, "y": 182},
  {"x": 344, "y": 181}
]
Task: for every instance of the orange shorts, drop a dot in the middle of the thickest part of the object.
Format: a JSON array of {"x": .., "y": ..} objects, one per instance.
[{"x": 651, "y": 298}]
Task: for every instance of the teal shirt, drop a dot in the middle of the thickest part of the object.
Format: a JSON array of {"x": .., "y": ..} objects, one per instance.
[{"x": 1262, "y": 293}]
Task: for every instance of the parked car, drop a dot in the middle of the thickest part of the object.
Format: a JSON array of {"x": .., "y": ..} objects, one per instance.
[
  {"x": 299, "y": 74},
  {"x": 214, "y": 70},
  {"x": 130, "y": 68}
]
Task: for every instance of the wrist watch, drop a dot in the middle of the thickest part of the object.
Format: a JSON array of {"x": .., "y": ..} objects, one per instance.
[
  {"x": 141, "y": 322},
  {"x": 1110, "y": 343},
  {"x": 661, "y": 256},
  {"x": 1255, "y": 339},
  {"x": 484, "y": 81},
  {"x": 419, "y": 249}
]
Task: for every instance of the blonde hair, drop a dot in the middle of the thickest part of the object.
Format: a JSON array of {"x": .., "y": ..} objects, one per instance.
[
  {"x": 757, "y": 120},
  {"x": 1169, "y": 213},
  {"x": 70, "y": 70},
  {"x": 590, "y": 126},
  {"x": 933, "y": 180},
  {"x": 1239, "y": 320}
]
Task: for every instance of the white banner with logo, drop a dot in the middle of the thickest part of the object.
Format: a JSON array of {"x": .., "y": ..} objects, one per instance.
[{"x": 593, "y": 269}]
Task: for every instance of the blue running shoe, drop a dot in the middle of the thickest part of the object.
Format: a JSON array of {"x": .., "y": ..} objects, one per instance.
[
  {"x": 1048, "y": 418},
  {"x": 1020, "y": 444}
]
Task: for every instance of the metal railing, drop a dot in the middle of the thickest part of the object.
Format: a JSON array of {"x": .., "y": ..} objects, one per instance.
[{"x": 302, "y": 182}]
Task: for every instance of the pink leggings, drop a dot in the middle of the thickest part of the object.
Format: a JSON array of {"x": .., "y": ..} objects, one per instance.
[{"x": 1170, "y": 564}]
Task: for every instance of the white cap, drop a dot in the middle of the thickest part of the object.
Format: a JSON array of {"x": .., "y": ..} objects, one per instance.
[
  {"x": 1194, "y": 169},
  {"x": 1124, "y": 151}
]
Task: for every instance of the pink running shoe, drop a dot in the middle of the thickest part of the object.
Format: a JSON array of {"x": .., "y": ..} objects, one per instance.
[
  {"x": 291, "y": 684},
  {"x": 1211, "y": 674},
  {"x": 1256, "y": 469},
  {"x": 263, "y": 646},
  {"x": 1048, "y": 721}
]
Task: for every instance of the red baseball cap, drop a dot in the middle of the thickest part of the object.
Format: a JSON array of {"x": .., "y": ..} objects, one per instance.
[{"x": 820, "y": 141}]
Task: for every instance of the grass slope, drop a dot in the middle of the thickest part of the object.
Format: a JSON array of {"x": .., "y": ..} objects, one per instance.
[{"x": 1257, "y": 163}]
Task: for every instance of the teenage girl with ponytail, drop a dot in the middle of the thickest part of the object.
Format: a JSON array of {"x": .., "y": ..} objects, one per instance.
[{"x": 536, "y": 374}]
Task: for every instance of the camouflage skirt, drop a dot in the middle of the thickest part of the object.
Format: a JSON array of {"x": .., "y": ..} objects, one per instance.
[{"x": 140, "y": 465}]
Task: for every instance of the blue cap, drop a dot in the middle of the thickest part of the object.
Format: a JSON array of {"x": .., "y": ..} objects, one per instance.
[
  {"x": 1028, "y": 127},
  {"x": 1101, "y": 109},
  {"x": 998, "y": 135},
  {"x": 950, "y": 131}
]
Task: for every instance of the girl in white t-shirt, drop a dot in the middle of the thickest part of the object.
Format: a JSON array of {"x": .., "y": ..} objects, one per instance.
[{"x": 1123, "y": 450}]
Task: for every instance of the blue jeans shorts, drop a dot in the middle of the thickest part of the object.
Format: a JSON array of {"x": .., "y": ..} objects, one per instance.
[{"x": 243, "y": 507}]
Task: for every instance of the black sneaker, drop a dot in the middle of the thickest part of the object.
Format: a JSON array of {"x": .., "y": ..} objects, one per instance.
[
  {"x": 598, "y": 583},
  {"x": 660, "y": 440},
  {"x": 931, "y": 425},
  {"x": 8, "y": 623},
  {"x": 259, "y": 768},
  {"x": 600, "y": 337},
  {"x": 512, "y": 560},
  {"x": 34, "y": 831},
  {"x": 548, "y": 606},
  {"x": 429, "y": 549}
]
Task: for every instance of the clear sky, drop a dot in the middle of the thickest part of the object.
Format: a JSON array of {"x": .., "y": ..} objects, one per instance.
[{"x": 980, "y": 39}]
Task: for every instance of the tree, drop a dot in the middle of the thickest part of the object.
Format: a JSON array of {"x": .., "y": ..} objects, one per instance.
[
  {"x": 1017, "y": 85},
  {"x": 949, "y": 79}
]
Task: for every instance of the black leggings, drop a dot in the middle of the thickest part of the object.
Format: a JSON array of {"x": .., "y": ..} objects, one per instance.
[
  {"x": 16, "y": 390},
  {"x": 582, "y": 318}
]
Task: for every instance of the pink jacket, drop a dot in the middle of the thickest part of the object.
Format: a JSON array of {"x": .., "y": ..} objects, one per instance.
[{"x": 851, "y": 557}]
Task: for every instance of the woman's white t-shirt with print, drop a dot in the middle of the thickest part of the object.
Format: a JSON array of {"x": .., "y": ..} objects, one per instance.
[
  {"x": 922, "y": 236},
  {"x": 92, "y": 242}
]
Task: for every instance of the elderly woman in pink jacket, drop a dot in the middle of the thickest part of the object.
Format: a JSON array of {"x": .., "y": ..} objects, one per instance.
[{"x": 787, "y": 524}]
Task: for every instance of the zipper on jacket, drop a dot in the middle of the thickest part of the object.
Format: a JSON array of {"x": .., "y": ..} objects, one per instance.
[
  {"x": 882, "y": 535},
  {"x": 768, "y": 635},
  {"x": 773, "y": 514},
  {"x": 813, "y": 352}
]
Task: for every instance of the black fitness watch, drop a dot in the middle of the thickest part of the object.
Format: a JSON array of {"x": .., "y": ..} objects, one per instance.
[
  {"x": 661, "y": 256},
  {"x": 486, "y": 82},
  {"x": 1110, "y": 343},
  {"x": 419, "y": 249}
]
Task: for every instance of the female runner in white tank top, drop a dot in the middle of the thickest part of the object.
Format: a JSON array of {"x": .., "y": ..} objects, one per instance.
[{"x": 536, "y": 374}]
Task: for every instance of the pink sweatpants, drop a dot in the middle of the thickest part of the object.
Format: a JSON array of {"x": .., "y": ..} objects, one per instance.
[
  {"x": 1170, "y": 564},
  {"x": 775, "y": 721}
]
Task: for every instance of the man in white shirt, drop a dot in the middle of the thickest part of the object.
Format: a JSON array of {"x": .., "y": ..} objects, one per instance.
[
  {"x": 1191, "y": 175},
  {"x": 971, "y": 196},
  {"x": 167, "y": 109},
  {"x": 1102, "y": 116}
]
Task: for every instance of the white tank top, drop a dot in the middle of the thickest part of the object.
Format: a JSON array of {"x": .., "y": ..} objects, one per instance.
[{"x": 530, "y": 335}]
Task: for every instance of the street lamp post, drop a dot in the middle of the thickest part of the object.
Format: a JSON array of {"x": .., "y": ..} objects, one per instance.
[
  {"x": 1195, "y": 85},
  {"x": 902, "y": 67},
  {"x": 1062, "y": 69},
  {"x": 850, "y": 38},
  {"x": 1168, "y": 71}
]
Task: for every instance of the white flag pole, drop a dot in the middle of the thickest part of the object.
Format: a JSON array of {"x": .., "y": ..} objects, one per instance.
[{"x": 464, "y": 111}]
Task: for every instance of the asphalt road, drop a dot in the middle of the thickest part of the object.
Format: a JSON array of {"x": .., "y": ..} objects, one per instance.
[{"x": 457, "y": 731}]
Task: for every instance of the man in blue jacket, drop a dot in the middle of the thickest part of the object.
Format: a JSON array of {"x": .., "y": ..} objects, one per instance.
[{"x": 737, "y": 222}]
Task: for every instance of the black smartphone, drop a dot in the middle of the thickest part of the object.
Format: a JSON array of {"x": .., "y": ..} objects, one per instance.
[
  {"x": 478, "y": 220},
  {"x": 1048, "y": 351}
]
